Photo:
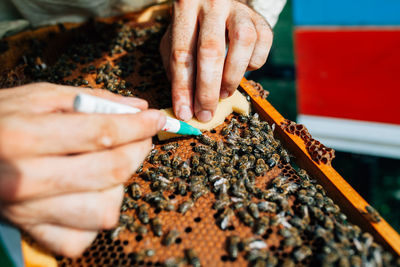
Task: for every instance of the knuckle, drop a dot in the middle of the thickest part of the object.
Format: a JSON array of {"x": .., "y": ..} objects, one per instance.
[
  {"x": 43, "y": 85},
  {"x": 15, "y": 213},
  {"x": 230, "y": 84},
  {"x": 110, "y": 219},
  {"x": 211, "y": 49},
  {"x": 265, "y": 35},
  {"x": 14, "y": 139},
  {"x": 73, "y": 247},
  {"x": 207, "y": 99},
  {"x": 121, "y": 165},
  {"x": 183, "y": 57},
  {"x": 110, "y": 215},
  {"x": 46, "y": 87},
  {"x": 257, "y": 62},
  {"x": 145, "y": 104},
  {"x": 105, "y": 136},
  {"x": 245, "y": 34}
]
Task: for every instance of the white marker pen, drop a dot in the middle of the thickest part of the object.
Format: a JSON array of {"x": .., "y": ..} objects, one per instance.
[{"x": 92, "y": 104}]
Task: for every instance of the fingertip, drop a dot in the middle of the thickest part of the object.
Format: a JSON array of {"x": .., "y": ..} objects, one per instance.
[
  {"x": 204, "y": 115},
  {"x": 184, "y": 113},
  {"x": 158, "y": 118},
  {"x": 224, "y": 94}
]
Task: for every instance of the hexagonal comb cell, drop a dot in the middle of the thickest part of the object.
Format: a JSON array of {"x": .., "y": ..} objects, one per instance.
[
  {"x": 317, "y": 151},
  {"x": 227, "y": 198}
]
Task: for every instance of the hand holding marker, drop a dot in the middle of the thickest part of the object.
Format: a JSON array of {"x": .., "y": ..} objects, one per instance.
[{"x": 92, "y": 104}]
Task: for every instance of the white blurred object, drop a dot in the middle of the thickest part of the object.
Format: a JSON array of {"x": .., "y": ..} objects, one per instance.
[
  {"x": 269, "y": 9},
  {"x": 45, "y": 12},
  {"x": 363, "y": 137}
]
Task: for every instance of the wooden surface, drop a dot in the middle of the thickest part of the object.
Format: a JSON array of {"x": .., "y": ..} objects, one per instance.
[{"x": 351, "y": 203}]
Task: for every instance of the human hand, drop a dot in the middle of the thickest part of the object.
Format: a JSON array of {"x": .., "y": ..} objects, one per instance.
[
  {"x": 61, "y": 172},
  {"x": 193, "y": 52}
]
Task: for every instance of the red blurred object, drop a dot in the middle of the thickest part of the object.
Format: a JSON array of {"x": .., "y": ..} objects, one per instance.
[
  {"x": 349, "y": 73},
  {"x": 348, "y": 82}
]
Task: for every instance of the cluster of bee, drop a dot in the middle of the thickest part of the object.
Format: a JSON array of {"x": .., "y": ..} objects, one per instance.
[
  {"x": 261, "y": 91},
  {"x": 291, "y": 202},
  {"x": 317, "y": 151},
  {"x": 114, "y": 40},
  {"x": 292, "y": 205}
]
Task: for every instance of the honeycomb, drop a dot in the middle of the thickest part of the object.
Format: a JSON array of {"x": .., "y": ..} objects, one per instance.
[
  {"x": 277, "y": 214},
  {"x": 318, "y": 152}
]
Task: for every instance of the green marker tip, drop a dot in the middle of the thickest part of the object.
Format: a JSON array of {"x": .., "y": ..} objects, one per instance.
[{"x": 187, "y": 129}]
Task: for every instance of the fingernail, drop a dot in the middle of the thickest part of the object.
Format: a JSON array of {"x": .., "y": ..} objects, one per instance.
[
  {"x": 185, "y": 113},
  {"x": 224, "y": 93},
  {"x": 161, "y": 120},
  {"x": 204, "y": 115}
]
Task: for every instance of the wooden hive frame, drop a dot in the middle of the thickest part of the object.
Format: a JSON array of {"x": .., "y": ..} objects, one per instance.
[{"x": 352, "y": 204}]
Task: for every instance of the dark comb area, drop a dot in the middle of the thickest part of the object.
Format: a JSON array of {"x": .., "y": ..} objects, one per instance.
[{"x": 230, "y": 197}]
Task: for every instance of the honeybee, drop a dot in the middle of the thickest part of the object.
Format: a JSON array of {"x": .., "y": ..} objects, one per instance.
[
  {"x": 202, "y": 149},
  {"x": 243, "y": 118},
  {"x": 185, "y": 169},
  {"x": 128, "y": 204},
  {"x": 195, "y": 160},
  {"x": 170, "y": 238},
  {"x": 279, "y": 181},
  {"x": 171, "y": 146},
  {"x": 175, "y": 162},
  {"x": 233, "y": 246},
  {"x": 289, "y": 188},
  {"x": 136, "y": 192},
  {"x": 273, "y": 161},
  {"x": 222, "y": 202},
  {"x": 227, "y": 129},
  {"x": 225, "y": 218},
  {"x": 206, "y": 140},
  {"x": 143, "y": 214},
  {"x": 182, "y": 188},
  {"x": 156, "y": 226},
  {"x": 192, "y": 257},
  {"x": 152, "y": 153},
  {"x": 174, "y": 262},
  {"x": 373, "y": 214},
  {"x": 149, "y": 175},
  {"x": 301, "y": 253},
  {"x": 284, "y": 155},
  {"x": 261, "y": 225},
  {"x": 185, "y": 206},
  {"x": 114, "y": 233},
  {"x": 165, "y": 160},
  {"x": 246, "y": 218},
  {"x": 253, "y": 210},
  {"x": 267, "y": 206}
]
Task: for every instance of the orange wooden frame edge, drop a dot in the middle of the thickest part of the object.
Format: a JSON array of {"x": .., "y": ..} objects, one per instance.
[{"x": 336, "y": 186}]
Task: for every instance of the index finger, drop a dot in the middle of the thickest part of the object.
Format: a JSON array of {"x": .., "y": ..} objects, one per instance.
[
  {"x": 182, "y": 58},
  {"x": 210, "y": 61},
  {"x": 47, "y": 97},
  {"x": 71, "y": 133}
]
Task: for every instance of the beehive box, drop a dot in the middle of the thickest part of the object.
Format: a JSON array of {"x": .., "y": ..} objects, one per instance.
[{"x": 200, "y": 227}]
